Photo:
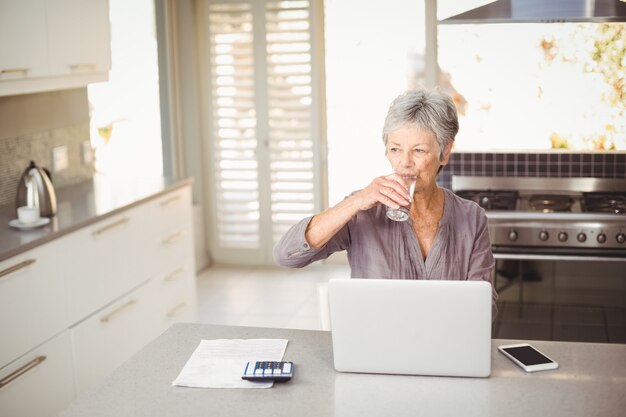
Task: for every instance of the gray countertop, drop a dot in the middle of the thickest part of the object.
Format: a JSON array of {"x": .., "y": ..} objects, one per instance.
[
  {"x": 81, "y": 205},
  {"x": 591, "y": 381}
]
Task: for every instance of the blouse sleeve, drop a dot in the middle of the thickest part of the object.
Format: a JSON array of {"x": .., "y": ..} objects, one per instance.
[
  {"x": 293, "y": 251},
  {"x": 482, "y": 262}
]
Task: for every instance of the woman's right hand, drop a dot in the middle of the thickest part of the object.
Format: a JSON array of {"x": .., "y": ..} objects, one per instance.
[{"x": 389, "y": 190}]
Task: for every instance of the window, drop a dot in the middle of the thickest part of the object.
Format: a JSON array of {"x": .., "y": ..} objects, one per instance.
[
  {"x": 537, "y": 86},
  {"x": 373, "y": 54},
  {"x": 125, "y": 113},
  {"x": 265, "y": 129}
]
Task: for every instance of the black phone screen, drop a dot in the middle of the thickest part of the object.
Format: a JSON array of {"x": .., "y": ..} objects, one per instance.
[{"x": 527, "y": 355}]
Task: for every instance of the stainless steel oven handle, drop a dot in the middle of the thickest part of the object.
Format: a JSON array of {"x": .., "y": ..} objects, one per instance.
[{"x": 538, "y": 257}]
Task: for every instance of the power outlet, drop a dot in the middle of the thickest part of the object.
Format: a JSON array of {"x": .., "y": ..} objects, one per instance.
[{"x": 59, "y": 158}]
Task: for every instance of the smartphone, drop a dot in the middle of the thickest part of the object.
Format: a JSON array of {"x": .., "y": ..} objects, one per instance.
[{"x": 527, "y": 357}]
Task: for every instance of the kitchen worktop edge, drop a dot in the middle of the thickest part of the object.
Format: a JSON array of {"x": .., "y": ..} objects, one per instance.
[{"x": 14, "y": 242}]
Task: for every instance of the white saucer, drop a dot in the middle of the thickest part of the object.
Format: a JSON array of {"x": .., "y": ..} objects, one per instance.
[{"x": 19, "y": 225}]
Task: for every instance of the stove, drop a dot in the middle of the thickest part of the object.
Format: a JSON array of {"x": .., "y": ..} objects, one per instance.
[
  {"x": 551, "y": 218},
  {"x": 600, "y": 202}
]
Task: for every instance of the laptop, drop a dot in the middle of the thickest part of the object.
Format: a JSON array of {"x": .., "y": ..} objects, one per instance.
[{"x": 411, "y": 327}]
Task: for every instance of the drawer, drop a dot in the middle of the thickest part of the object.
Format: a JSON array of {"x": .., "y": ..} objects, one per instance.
[
  {"x": 112, "y": 335},
  {"x": 115, "y": 262},
  {"x": 33, "y": 298},
  {"x": 171, "y": 230},
  {"x": 41, "y": 382},
  {"x": 175, "y": 298},
  {"x": 172, "y": 210}
]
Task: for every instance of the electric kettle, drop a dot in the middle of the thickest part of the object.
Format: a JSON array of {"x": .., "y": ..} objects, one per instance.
[{"x": 35, "y": 190}]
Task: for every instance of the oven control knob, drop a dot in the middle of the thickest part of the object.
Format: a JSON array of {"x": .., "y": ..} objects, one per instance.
[
  {"x": 513, "y": 235},
  {"x": 621, "y": 238},
  {"x": 581, "y": 237},
  {"x": 601, "y": 238},
  {"x": 543, "y": 235},
  {"x": 562, "y": 237}
]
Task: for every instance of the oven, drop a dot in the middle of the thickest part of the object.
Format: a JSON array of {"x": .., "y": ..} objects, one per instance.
[
  {"x": 576, "y": 219},
  {"x": 560, "y": 249}
]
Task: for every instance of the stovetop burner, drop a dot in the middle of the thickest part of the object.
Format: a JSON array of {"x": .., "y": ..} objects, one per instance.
[
  {"x": 491, "y": 199},
  {"x": 604, "y": 202},
  {"x": 550, "y": 203}
]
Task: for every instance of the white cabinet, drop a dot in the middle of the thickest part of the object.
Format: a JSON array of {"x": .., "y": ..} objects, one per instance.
[
  {"x": 89, "y": 300},
  {"x": 78, "y": 40},
  {"x": 53, "y": 44},
  {"x": 111, "y": 261},
  {"x": 106, "y": 339},
  {"x": 151, "y": 244},
  {"x": 39, "y": 383},
  {"x": 173, "y": 281},
  {"x": 33, "y": 298},
  {"x": 23, "y": 45}
]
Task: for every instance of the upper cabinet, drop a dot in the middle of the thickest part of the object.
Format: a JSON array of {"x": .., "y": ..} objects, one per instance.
[
  {"x": 53, "y": 44},
  {"x": 23, "y": 40},
  {"x": 78, "y": 36}
]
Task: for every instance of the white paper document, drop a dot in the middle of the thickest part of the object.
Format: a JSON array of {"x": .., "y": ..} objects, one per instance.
[{"x": 220, "y": 363}]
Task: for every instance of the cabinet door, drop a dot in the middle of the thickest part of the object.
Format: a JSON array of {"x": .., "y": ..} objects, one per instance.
[
  {"x": 108, "y": 338},
  {"x": 171, "y": 231},
  {"x": 112, "y": 262},
  {"x": 79, "y": 36},
  {"x": 174, "y": 296},
  {"x": 33, "y": 298},
  {"x": 23, "y": 48},
  {"x": 40, "y": 383}
]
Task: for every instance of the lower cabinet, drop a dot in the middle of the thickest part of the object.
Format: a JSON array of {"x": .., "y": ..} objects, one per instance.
[
  {"x": 174, "y": 296},
  {"x": 39, "y": 383},
  {"x": 105, "y": 340},
  {"x": 66, "y": 325}
]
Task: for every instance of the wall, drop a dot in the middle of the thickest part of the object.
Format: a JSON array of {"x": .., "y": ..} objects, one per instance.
[
  {"x": 31, "y": 125},
  {"x": 561, "y": 165}
]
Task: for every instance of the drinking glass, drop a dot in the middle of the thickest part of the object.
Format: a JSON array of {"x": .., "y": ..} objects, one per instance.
[{"x": 402, "y": 214}]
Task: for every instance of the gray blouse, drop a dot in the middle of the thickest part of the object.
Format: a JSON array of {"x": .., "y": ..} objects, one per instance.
[{"x": 381, "y": 248}]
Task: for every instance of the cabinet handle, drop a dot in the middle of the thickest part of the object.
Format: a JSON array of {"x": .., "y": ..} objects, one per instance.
[
  {"x": 14, "y": 268},
  {"x": 117, "y": 311},
  {"x": 18, "y": 373},
  {"x": 173, "y": 238},
  {"x": 172, "y": 275},
  {"x": 22, "y": 71},
  {"x": 173, "y": 312},
  {"x": 111, "y": 226},
  {"x": 85, "y": 66},
  {"x": 170, "y": 200}
]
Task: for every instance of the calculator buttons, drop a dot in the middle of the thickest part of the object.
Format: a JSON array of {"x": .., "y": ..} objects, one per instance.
[{"x": 268, "y": 371}]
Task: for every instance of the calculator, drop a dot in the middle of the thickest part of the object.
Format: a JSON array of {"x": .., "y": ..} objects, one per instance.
[{"x": 268, "y": 371}]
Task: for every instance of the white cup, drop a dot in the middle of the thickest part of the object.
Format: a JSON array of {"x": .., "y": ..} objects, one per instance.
[{"x": 27, "y": 214}]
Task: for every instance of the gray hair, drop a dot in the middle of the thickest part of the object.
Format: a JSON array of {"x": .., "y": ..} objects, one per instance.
[{"x": 422, "y": 109}]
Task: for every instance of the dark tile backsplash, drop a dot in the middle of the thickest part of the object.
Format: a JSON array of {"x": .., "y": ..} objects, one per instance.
[{"x": 560, "y": 165}]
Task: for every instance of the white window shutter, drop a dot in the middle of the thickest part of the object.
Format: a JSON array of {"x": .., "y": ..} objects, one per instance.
[
  {"x": 234, "y": 123},
  {"x": 289, "y": 73},
  {"x": 265, "y": 121}
]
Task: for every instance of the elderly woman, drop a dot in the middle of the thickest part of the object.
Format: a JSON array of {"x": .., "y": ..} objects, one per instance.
[{"x": 445, "y": 236}]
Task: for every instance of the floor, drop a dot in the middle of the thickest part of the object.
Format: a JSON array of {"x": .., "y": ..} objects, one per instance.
[{"x": 287, "y": 298}]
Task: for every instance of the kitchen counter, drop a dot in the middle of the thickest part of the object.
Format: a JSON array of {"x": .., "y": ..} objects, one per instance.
[
  {"x": 591, "y": 381},
  {"x": 81, "y": 205}
]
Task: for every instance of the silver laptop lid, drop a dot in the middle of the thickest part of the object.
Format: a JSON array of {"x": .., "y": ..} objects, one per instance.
[{"x": 412, "y": 327}]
